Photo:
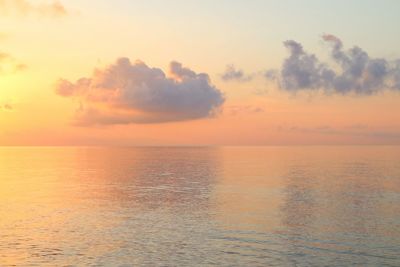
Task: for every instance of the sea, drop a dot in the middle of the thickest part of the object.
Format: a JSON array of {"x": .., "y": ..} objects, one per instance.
[{"x": 200, "y": 206}]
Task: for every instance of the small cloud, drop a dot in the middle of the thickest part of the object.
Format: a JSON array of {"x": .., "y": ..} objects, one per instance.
[
  {"x": 6, "y": 107},
  {"x": 357, "y": 127},
  {"x": 358, "y": 73},
  {"x": 24, "y": 7},
  {"x": 124, "y": 93},
  {"x": 271, "y": 75},
  {"x": 248, "y": 109},
  {"x": 357, "y": 130},
  {"x": 261, "y": 92},
  {"x": 4, "y": 57},
  {"x": 233, "y": 74},
  {"x": 20, "y": 67},
  {"x": 8, "y": 64}
]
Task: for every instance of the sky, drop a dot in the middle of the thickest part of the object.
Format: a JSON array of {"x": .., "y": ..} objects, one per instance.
[{"x": 190, "y": 72}]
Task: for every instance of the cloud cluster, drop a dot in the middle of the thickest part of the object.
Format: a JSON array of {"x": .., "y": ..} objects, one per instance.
[
  {"x": 125, "y": 93},
  {"x": 24, "y": 7},
  {"x": 356, "y": 72},
  {"x": 233, "y": 74}
]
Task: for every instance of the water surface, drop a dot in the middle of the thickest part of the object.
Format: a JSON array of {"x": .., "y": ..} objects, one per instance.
[{"x": 228, "y": 206}]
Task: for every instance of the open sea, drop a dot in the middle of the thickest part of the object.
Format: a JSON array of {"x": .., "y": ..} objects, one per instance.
[{"x": 200, "y": 206}]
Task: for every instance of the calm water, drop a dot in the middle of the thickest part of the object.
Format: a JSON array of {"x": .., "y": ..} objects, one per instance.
[{"x": 271, "y": 206}]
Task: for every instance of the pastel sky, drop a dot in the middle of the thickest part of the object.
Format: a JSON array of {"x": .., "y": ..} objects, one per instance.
[{"x": 191, "y": 72}]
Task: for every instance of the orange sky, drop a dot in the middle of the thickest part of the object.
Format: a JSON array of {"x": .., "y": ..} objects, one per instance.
[{"x": 42, "y": 42}]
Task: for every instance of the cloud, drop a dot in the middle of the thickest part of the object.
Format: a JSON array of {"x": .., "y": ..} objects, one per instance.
[
  {"x": 233, "y": 74},
  {"x": 359, "y": 130},
  {"x": 8, "y": 64},
  {"x": 356, "y": 72},
  {"x": 125, "y": 93},
  {"x": 272, "y": 75},
  {"x": 6, "y": 107},
  {"x": 24, "y": 7},
  {"x": 243, "y": 109}
]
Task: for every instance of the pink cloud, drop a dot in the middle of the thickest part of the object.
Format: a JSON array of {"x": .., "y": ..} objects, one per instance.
[{"x": 125, "y": 93}]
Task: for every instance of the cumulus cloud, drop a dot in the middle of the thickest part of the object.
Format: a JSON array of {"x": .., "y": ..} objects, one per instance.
[
  {"x": 125, "y": 93},
  {"x": 233, "y": 74},
  {"x": 24, "y": 7},
  {"x": 355, "y": 71}
]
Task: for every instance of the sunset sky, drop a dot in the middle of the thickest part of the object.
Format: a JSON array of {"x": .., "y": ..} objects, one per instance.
[{"x": 210, "y": 72}]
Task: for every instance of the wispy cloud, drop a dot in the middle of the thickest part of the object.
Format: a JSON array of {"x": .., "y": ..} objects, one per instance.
[
  {"x": 24, "y": 7},
  {"x": 125, "y": 93},
  {"x": 243, "y": 109},
  {"x": 6, "y": 107},
  {"x": 356, "y": 72},
  {"x": 358, "y": 130},
  {"x": 8, "y": 64}
]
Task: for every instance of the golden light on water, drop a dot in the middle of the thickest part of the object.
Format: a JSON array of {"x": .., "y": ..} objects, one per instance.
[{"x": 122, "y": 205}]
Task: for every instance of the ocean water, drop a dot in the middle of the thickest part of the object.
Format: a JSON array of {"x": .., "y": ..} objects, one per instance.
[{"x": 200, "y": 206}]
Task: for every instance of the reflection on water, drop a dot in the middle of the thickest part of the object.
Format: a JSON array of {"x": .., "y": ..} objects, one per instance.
[{"x": 271, "y": 206}]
